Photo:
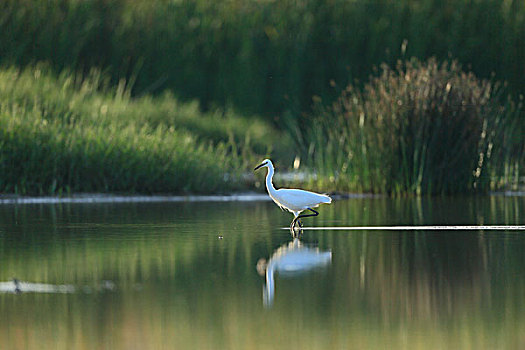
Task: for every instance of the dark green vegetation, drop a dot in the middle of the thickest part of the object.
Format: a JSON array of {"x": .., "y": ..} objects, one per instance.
[
  {"x": 268, "y": 58},
  {"x": 265, "y": 57},
  {"x": 421, "y": 128},
  {"x": 74, "y": 133}
]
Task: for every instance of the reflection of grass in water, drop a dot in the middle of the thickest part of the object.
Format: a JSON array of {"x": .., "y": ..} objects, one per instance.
[
  {"x": 133, "y": 235},
  {"x": 174, "y": 236},
  {"x": 399, "y": 302},
  {"x": 73, "y": 133},
  {"x": 383, "y": 290}
]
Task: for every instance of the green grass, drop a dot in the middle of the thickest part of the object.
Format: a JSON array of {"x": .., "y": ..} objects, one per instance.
[
  {"x": 421, "y": 128},
  {"x": 262, "y": 57},
  {"x": 74, "y": 133},
  {"x": 268, "y": 58}
]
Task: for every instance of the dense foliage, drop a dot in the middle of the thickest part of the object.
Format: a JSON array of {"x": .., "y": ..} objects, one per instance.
[
  {"x": 75, "y": 134},
  {"x": 423, "y": 127},
  {"x": 262, "y": 57},
  {"x": 441, "y": 131}
]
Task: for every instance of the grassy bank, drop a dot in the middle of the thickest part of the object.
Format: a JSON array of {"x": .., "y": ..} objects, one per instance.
[
  {"x": 422, "y": 128},
  {"x": 125, "y": 130},
  {"x": 75, "y": 133},
  {"x": 263, "y": 57}
]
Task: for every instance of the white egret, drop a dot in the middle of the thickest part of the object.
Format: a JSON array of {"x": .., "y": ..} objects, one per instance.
[{"x": 291, "y": 199}]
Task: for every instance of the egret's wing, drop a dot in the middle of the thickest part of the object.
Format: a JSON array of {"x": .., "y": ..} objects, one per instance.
[{"x": 301, "y": 199}]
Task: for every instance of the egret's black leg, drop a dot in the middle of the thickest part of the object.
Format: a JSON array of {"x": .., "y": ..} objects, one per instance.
[
  {"x": 315, "y": 213},
  {"x": 297, "y": 220},
  {"x": 296, "y": 230},
  {"x": 300, "y": 229},
  {"x": 293, "y": 226},
  {"x": 294, "y": 221}
]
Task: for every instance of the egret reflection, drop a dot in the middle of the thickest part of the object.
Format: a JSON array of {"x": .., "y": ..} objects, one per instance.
[{"x": 291, "y": 259}]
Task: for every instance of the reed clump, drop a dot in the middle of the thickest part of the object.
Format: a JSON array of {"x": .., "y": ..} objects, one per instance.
[
  {"x": 76, "y": 133},
  {"x": 422, "y": 128}
]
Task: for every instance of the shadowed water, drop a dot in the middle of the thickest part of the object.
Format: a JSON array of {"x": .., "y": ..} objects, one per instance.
[{"x": 195, "y": 276}]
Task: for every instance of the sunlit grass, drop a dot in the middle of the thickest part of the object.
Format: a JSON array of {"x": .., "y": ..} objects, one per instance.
[{"x": 74, "y": 133}]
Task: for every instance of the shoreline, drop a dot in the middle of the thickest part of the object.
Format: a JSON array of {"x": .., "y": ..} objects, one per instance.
[
  {"x": 122, "y": 198},
  {"x": 101, "y": 198}
]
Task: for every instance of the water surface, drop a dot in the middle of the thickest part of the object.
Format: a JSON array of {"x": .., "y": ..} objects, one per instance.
[{"x": 189, "y": 275}]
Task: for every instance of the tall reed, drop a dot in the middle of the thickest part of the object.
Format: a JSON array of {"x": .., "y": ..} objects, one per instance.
[
  {"x": 422, "y": 128},
  {"x": 262, "y": 57}
]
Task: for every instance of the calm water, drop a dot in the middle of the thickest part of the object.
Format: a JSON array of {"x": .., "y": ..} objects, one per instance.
[{"x": 226, "y": 276}]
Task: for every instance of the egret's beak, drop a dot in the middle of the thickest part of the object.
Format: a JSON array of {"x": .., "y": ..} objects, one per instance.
[{"x": 260, "y": 165}]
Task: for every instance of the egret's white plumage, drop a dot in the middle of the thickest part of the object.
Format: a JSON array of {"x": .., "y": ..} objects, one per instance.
[{"x": 291, "y": 199}]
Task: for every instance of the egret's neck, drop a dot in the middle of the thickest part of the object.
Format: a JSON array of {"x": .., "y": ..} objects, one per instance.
[{"x": 269, "y": 177}]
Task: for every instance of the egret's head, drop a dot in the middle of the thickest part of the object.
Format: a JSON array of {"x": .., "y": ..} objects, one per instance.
[{"x": 265, "y": 163}]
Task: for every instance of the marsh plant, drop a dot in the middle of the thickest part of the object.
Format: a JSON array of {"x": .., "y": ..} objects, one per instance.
[
  {"x": 77, "y": 133},
  {"x": 262, "y": 57},
  {"x": 423, "y": 128}
]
